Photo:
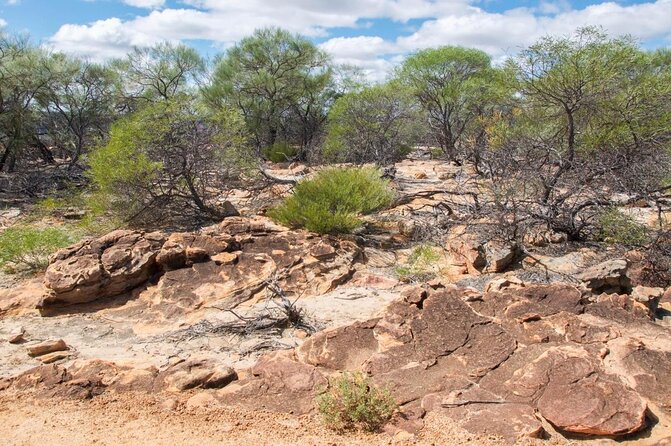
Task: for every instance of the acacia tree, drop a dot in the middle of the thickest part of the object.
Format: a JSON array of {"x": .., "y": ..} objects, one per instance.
[
  {"x": 377, "y": 124},
  {"x": 25, "y": 73},
  {"x": 591, "y": 116},
  {"x": 166, "y": 161},
  {"x": 78, "y": 106},
  {"x": 451, "y": 83},
  {"x": 271, "y": 77},
  {"x": 157, "y": 73}
]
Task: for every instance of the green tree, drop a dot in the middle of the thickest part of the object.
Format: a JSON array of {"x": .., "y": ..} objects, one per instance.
[
  {"x": 25, "y": 73},
  {"x": 377, "y": 124},
  {"x": 168, "y": 162},
  {"x": 591, "y": 118},
  {"x": 452, "y": 84},
  {"x": 78, "y": 106},
  {"x": 159, "y": 73},
  {"x": 275, "y": 79}
]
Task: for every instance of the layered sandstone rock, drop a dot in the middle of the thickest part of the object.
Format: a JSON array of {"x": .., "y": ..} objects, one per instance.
[{"x": 102, "y": 267}]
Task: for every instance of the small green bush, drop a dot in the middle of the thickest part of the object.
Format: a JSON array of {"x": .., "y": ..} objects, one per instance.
[
  {"x": 30, "y": 247},
  {"x": 420, "y": 264},
  {"x": 280, "y": 152},
  {"x": 353, "y": 402},
  {"x": 333, "y": 199},
  {"x": 620, "y": 229}
]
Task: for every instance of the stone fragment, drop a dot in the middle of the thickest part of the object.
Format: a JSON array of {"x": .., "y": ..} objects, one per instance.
[
  {"x": 17, "y": 337},
  {"x": 502, "y": 283},
  {"x": 47, "y": 347},
  {"x": 48, "y": 358},
  {"x": 648, "y": 296}
]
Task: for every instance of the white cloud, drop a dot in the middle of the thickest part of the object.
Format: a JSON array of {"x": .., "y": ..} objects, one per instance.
[
  {"x": 148, "y": 4},
  {"x": 12, "y": 2},
  {"x": 3, "y": 23},
  {"x": 456, "y": 22},
  {"x": 501, "y": 33}
]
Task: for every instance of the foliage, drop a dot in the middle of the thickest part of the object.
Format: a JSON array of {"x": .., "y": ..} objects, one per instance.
[
  {"x": 454, "y": 86},
  {"x": 618, "y": 228},
  {"x": 420, "y": 265},
  {"x": 160, "y": 72},
  {"x": 333, "y": 199},
  {"x": 166, "y": 161},
  {"x": 581, "y": 128},
  {"x": 280, "y": 152},
  {"x": 377, "y": 124},
  {"x": 352, "y": 401},
  {"x": 30, "y": 247},
  {"x": 280, "y": 82}
]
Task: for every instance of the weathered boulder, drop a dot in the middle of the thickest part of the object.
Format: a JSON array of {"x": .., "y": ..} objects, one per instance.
[
  {"x": 607, "y": 277},
  {"x": 197, "y": 373},
  {"x": 498, "y": 256},
  {"x": 102, "y": 267},
  {"x": 480, "y": 256},
  {"x": 648, "y": 296},
  {"x": 229, "y": 262},
  {"x": 182, "y": 249}
]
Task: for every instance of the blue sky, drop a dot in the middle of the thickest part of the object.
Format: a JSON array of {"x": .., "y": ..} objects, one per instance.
[{"x": 374, "y": 34}]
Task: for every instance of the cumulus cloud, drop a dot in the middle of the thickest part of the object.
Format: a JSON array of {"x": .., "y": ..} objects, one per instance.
[
  {"x": 148, "y": 4},
  {"x": 500, "y": 33},
  {"x": 457, "y": 22}
]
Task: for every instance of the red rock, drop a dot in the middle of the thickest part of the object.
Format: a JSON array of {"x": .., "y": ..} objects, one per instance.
[{"x": 47, "y": 347}]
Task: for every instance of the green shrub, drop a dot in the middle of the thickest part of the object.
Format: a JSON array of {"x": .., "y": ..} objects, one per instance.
[
  {"x": 280, "y": 152},
  {"x": 379, "y": 124},
  {"x": 420, "y": 266},
  {"x": 620, "y": 229},
  {"x": 333, "y": 199},
  {"x": 353, "y": 402},
  {"x": 30, "y": 247}
]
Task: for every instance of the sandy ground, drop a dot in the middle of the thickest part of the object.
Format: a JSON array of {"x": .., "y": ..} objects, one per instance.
[{"x": 140, "y": 419}]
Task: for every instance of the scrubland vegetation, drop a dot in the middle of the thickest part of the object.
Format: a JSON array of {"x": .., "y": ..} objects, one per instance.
[
  {"x": 554, "y": 133},
  {"x": 353, "y": 402}
]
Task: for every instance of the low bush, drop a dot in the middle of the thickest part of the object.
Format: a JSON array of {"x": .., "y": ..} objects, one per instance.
[
  {"x": 618, "y": 228},
  {"x": 333, "y": 200},
  {"x": 280, "y": 152},
  {"x": 353, "y": 402},
  {"x": 29, "y": 247},
  {"x": 420, "y": 266}
]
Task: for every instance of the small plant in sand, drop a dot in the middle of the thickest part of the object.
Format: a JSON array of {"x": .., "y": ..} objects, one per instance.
[
  {"x": 616, "y": 227},
  {"x": 26, "y": 247},
  {"x": 353, "y": 402},
  {"x": 420, "y": 266}
]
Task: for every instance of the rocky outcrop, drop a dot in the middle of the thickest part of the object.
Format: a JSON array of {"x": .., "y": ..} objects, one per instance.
[
  {"x": 501, "y": 363},
  {"x": 102, "y": 267},
  {"x": 228, "y": 262}
]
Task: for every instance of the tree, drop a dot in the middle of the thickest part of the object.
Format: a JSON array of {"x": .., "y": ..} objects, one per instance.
[
  {"x": 451, "y": 83},
  {"x": 276, "y": 79},
  {"x": 590, "y": 118},
  {"x": 25, "y": 72},
  {"x": 165, "y": 162},
  {"x": 159, "y": 73},
  {"x": 378, "y": 124},
  {"x": 78, "y": 106}
]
